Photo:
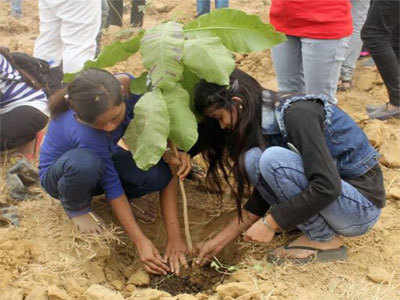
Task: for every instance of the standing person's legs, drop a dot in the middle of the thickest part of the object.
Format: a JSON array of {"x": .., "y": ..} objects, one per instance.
[
  {"x": 137, "y": 12},
  {"x": 116, "y": 12},
  {"x": 80, "y": 25},
  {"x": 380, "y": 36},
  {"x": 288, "y": 65},
  {"x": 350, "y": 215},
  {"x": 104, "y": 23},
  {"x": 321, "y": 65},
  {"x": 48, "y": 46},
  {"x": 359, "y": 12},
  {"x": 221, "y": 3},
  {"x": 203, "y": 7}
]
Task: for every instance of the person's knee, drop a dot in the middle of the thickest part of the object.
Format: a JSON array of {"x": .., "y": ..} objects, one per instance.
[
  {"x": 84, "y": 166},
  {"x": 251, "y": 164},
  {"x": 271, "y": 158},
  {"x": 352, "y": 231}
]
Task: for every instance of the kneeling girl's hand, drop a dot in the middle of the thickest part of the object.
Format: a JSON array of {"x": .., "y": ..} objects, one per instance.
[
  {"x": 175, "y": 254},
  {"x": 149, "y": 255},
  {"x": 182, "y": 163}
]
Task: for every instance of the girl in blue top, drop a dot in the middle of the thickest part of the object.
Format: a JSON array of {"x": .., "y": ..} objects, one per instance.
[{"x": 80, "y": 158}]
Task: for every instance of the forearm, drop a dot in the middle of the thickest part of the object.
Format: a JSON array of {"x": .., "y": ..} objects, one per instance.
[
  {"x": 236, "y": 227},
  {"x": 169, "y": 209},
  {"x": 123, "y": 212}
]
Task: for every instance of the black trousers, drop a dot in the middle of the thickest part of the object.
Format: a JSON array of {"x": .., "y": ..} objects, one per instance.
[
  {"x": 20, "y": 126},
  {"x": 381, "y": 36},
  {"x": 117, "y": 10}
]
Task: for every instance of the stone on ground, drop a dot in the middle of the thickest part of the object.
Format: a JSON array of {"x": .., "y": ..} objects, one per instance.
[
  {"x": 139, "y": 278},
  {"x": 99, "y": 292},
  {"x": 379, "y": 275},
  {"x": 148, "y": 294},
  {"x": 14, "y": 294},
  {"x": 38, "y": 293},
  {"x": 234, "y": 289},
  {"x": 56, "y": 293}
]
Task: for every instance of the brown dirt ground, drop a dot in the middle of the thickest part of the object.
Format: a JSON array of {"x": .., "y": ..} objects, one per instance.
[{"x": 45, "y": 257}]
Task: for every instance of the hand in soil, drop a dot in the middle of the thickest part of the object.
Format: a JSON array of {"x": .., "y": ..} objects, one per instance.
[
  {"x": 149, "y": 255},
  {"x": 258, "y": 232},
  {"x": 87, "y": 224},
  {"x": 207, "y": 251},
  {"x": 175, "y": 254}
]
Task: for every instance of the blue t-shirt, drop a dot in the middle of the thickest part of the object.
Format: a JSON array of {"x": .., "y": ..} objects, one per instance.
[{"x": 66, "y": 133}]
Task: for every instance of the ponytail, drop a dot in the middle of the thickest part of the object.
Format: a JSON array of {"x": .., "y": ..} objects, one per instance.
[{"x": 58, "y": 103}]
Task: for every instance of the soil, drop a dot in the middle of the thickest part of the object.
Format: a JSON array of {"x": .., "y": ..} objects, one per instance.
[{"x": 44, "y": 258}]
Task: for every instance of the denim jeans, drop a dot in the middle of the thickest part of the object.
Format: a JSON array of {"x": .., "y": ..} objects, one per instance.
[
  {"x": 381, "y": 36},
  {"x": 282, "y": 170},
  {"x": 359, "y": 13},
  {"x": 203, "y": 6},
  {"x": 16, "y": 7},
  {"x": 310, "y": 66},
  {"x": 75, "y": 177}
]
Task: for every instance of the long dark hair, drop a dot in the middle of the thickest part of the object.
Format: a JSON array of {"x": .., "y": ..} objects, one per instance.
[
  {"x": 90, "y": 94},
  {"x": 34, "y": 71},
  {"x": 224, "y": 150}
]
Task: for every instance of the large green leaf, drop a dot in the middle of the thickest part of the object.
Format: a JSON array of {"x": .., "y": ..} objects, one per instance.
[
  {"x": 111, "y": 55},
  {"x": 162, "y": 51},
  {"x": 238, "y": 31},
  {"x": 183, "y": 125},
  {"x": 189, "y": 82},
  {"x": 147, "y": 133},
  {"x": 138, "y": 85},
  {"x": 209, "y": 59}
]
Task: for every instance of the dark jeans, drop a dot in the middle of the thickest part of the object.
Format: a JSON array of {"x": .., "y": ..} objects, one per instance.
[
  {"x": 117, "y": 10},
  {"x": 75, "y": 177},
  {"x": 381, "y": 36},
  {"x": 20, "y": 126}
]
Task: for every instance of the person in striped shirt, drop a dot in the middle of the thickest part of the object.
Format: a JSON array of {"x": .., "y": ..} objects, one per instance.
[{"x": 23, "y": 102}]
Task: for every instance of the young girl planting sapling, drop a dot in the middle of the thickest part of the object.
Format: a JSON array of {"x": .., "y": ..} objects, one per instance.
[
  {"x": 80, "y": 158},
  {"x": 311, "y": 167}
]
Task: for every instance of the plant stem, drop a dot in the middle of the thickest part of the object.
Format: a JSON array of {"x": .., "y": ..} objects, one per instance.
[{"x": 185, "y": 210}]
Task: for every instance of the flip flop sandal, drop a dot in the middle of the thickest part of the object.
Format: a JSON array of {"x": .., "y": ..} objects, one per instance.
[
  {"x": 320, "y": 255},
  {"x": 9, "y": 215}
]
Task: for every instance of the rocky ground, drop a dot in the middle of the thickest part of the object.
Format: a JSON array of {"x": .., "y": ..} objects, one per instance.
[{"x": 45, "y": 258}]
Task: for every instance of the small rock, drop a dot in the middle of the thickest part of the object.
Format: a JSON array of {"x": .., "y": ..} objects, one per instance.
[
  {"x": 252, "y": 296},
  {"x": 201, "y": 296},
  {"x": 148, "y": 294},
  {"x": 390, "y": 158},
  {"x": 96, "y": 273},
  {"x": 379, "y": 275},
  {"x": 99, "y": 292},
  {"x": 117, "y": 284},
  {"x": 186, "y": 297},
  {"x": 38, "y": 293},
  {"x": 130, "y": 288},
  {"x": 56, "y": 293},
  {"x": 139, "y": 278},
  {"x": 161, "y": 7},
  {"x": 394, "y": 193},
  {"x": 234, "y": 289}
]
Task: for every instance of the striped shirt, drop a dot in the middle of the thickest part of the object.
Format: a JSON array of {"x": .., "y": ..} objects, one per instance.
[{"x": 14, "y": 92}]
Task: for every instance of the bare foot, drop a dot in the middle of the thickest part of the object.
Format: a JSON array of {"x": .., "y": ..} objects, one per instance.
[
  {"x": 145, "y": 210},
  {"x": 258, "y": 232},
  {"x": 281, "y": 252},
  {"x": 87, "y": 223}
]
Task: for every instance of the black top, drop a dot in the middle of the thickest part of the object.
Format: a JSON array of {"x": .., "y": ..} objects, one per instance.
[{"x": 304, "y": 122}]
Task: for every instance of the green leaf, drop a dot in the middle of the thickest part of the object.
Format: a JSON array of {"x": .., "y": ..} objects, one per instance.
[
  {"x": 162, "y": 51},
  {"x": 138, "y": 85},
  {"x": 183, "y": 125},
  {"x": 189, "y": 82},
  {"x": 111, "y": 55},
  {"x": 238, "y": 31},
  {"x": 147, "y": 133},
  {"x": 209, "y": 59}
]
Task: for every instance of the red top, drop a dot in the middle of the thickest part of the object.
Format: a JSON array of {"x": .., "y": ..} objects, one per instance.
[{"x": 318, "y": 19}]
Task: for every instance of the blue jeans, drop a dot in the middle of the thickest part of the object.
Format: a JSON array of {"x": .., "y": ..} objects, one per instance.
[
  {"x": 282, "y": 170},
  {"x": 359, "y": 13},
  {"x": 310, "y": 66},
  {"x": 203, "y": 6},
  {"x": 16, "y": 7},
  {"x": 75, "y": 177}
]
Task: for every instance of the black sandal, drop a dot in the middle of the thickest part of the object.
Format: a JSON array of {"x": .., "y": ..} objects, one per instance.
[{"x": 319, "y": 256}]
